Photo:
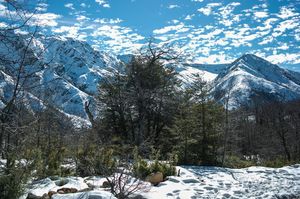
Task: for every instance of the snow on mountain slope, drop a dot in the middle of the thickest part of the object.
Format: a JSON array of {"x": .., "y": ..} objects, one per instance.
[
  {"x": 78, "y": 62},
  {"x": 187, "y": 75},
  {"x": 65, "y": 73},
  {"x": 251, "y": 78}
]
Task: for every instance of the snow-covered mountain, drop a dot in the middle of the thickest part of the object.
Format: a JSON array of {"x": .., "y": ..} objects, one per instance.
[
  {"x": 208, "y": 72},
  {"x": 251, "y": 79},
  {"x": 66, "y": 73}
]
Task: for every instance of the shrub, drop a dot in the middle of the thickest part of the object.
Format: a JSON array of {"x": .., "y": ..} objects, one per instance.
[
  {"x": 277, "y": 163},
  {"x": 93, "y": 161},
  {"x": 105, "y": 164},
  {"x": 12, "y": 180},
  {"x": 11, "y": 186},
  {"x": 142, "y": 168},
  {"x": 237, "y": 162}
]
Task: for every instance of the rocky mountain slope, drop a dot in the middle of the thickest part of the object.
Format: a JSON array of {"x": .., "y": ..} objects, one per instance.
[
  {"x": 251, "y": 79},
  {"x": 64, "y": 73}
]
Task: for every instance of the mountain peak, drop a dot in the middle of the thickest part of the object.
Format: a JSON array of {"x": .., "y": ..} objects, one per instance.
[
  {"x": 254, "y": 60},
  {"x": 251, "y": 76}
]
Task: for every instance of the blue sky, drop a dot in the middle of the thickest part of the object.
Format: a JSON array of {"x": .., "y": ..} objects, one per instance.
[{"x": 207, "y": 31}]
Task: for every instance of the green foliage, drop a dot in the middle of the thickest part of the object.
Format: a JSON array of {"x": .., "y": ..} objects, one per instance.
[
  {"x": 85, "y": 160},
  {"x": 237, "y": 162},
  {"x": 197, "y": 127},
  {"x": 142, "y": 168},
  {"x": 13, "y": 179},
  {"x": 11, "y": 186},
  {"x": 139, "y": 102},
  {"x": 278, "y": 162},
  {"x": 168, "y": 169},
  {"x": 95, "y": 161},
  {"x": 53, "y": 164},
  {"x": 105, "y": 164}
]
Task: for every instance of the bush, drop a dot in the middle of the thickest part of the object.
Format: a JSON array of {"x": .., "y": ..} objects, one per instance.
[
  {"x": 10, "y": 186},
  {"x": 168, "y": 170},
  {"x": 142, "y": 168},
  {"x": 105, "y": 164},
  {"x": 237, "y": 162},
  {"x": 277, "y": 163},
  {"x": 13, "y": 180},
  {"x": 84, "y": 161},
  {"x": 93, "y": 161}
]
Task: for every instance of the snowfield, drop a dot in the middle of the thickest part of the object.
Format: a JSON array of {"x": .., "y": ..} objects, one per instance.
[{"x": 194, "y": 182}]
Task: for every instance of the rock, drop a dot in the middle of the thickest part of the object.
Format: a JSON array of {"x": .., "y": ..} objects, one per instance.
[
  {"x": 155, "y": 178},
  {"x": 51, "y": 193},
  {"x": 67, "y": 190}
]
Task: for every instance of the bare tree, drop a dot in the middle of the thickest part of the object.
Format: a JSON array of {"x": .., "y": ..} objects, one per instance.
[{"x": 122, "y": 184}]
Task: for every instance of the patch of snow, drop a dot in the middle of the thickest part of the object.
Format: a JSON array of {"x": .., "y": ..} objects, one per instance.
[{"x": 198, "y": 182}]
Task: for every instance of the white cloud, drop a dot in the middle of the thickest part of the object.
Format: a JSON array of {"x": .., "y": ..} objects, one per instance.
[
  {"x": 103, "y": 3},
  {"x": 108, "y": 21},
  {"x": 172, "y": 6},
  {"x": 214, "y": 59},
  {"x": 286, "y": 12},
  {"x": 81, "y": 18},
  {"x": 266, "y": 40},
  {"x": 287, "y": 58},
  {"x": 44, "y": 19},
  {"x": 197, "y": 0},
  {"x": 267, "y": 24},
  {"x": 207, "y": 10},
  {"x": 35, "y": 19},
  {"x": 226, "y": 16},
  {"x": 261, "y": 14},
  {"x": 117, "y": 38},
  {"x": 70, "y": 5},
  {"x": 286, "y": 25},
  {"x": 42, "y": 7},
  {"x": 71, "y": 31},
  {"x": 167, "y": 29},
  {"x": 189, "y": 17},
  {"x": 297, "y": 34},
  {"x": 284, "y": 46},
  {"x": 3, "y": 25},
  {"x": 83, "y": 5}
]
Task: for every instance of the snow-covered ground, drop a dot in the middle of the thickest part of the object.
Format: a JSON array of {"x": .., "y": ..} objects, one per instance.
[{"x": 196, "y": 182}]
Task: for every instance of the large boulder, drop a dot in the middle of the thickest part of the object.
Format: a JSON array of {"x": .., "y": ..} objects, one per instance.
[
  {"x": 67, "y": 190},
  {"x": 155, "y": 178}
]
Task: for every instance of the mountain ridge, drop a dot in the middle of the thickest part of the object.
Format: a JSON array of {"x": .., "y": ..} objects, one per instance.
[{"x": 70, "y": 70}]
